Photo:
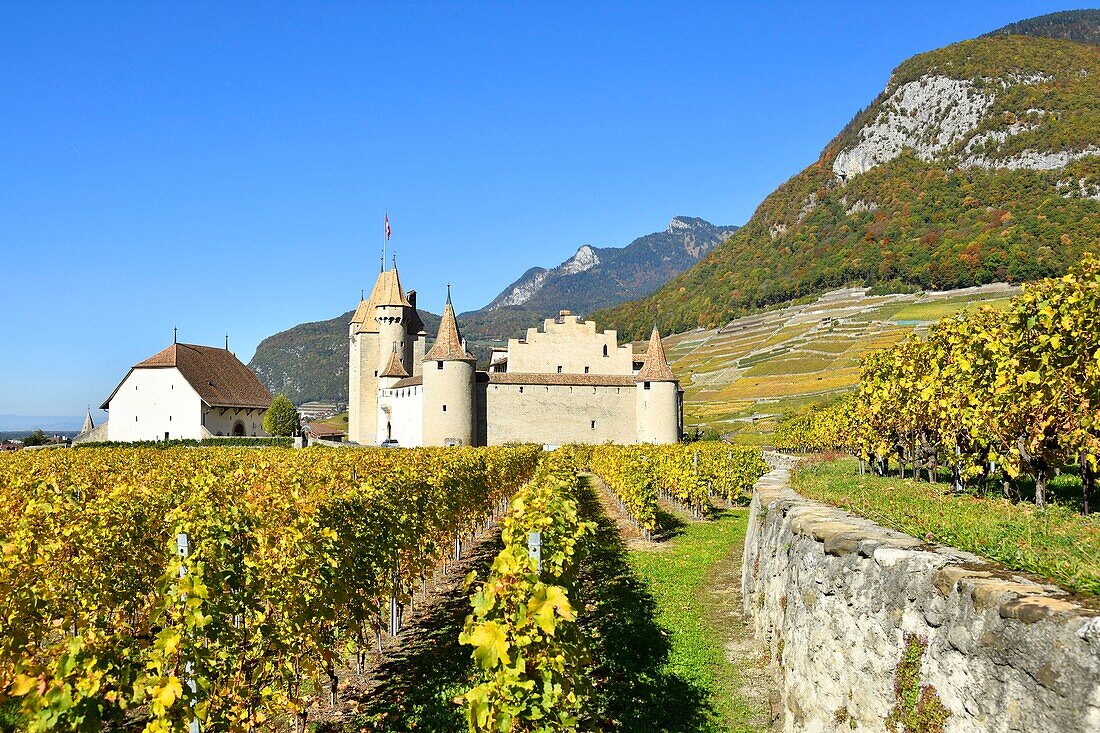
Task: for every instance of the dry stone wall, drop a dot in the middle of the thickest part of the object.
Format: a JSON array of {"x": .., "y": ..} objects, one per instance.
[{"x": 874, "y": 630}]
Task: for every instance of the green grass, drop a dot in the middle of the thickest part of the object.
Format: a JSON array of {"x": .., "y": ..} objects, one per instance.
[
  {"x": 1057, "y": 542},
  {"x": 659, "y": 649},
  {"x": 677, "y": 576}
]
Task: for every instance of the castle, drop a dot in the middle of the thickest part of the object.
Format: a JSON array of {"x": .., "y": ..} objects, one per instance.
[{"x": 565, "y": 383}]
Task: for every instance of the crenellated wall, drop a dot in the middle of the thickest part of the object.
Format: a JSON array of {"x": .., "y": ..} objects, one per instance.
[{"x": 867, "y": 625}]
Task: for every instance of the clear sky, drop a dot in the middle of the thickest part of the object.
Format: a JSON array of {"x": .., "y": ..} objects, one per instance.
[{"x": 224, "y": 167}]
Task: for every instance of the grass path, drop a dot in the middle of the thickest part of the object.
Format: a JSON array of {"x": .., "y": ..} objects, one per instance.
[{"x": 673, "y": 652}]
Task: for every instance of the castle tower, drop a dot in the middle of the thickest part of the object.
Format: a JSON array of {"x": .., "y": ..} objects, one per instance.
[
  {"x": 391, "y": 309},
  {"x": 448, "y": 386},
  {"x": 370, "y": 343},
  {"x": 657, "y": 396}
]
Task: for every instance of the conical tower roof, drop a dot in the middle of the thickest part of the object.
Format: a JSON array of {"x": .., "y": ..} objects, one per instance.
[
  {"x": 387, "y": 291},
  {"x": 394, "y": 367},
  {"x": 655, "y": 368},
  {"x": 448, "y": 344},
  {"x": 88, "y": 424}
]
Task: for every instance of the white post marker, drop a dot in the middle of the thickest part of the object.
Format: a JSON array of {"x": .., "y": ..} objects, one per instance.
[
  {"x": 534, "y": 549},
  {"x": 183, "y": 546}
]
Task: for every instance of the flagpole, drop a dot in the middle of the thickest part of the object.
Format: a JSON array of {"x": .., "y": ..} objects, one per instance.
[{"x": 385, "y": 216}]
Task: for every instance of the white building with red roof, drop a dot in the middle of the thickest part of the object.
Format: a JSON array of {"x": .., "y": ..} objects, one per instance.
[{"x": 186, "y": 391}]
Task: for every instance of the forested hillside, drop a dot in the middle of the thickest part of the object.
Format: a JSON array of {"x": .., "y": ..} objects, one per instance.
[
  {"x": 1082, "y": 26},
  {"x": 979, "y": 162}
]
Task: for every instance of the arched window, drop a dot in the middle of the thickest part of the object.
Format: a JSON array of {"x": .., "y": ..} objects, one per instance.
[
  {"x": 605, "y": 349},
  {"x": 238, "y": 429}
]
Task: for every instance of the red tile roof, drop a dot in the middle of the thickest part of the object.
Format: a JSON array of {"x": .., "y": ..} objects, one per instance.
[
  {"x": 655, "y": 368},
  {"x": 216, "y": 374},
  {"x": 387, "y": 291},
  {"x": 321, "y": 430},
  {"x": 394, "y": 368},
  {"x": 448, "y": 344}
]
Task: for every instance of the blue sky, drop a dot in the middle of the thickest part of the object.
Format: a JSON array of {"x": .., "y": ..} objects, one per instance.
[{"x": 224, "y": 167}]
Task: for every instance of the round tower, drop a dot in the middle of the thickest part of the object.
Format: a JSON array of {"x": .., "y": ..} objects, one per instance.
[
  {"x": 449, "y": 374},
  {"x": 657, "y": 396},
  {"x": 391, "y": 332},
  {"x": 391, "y": 313}
]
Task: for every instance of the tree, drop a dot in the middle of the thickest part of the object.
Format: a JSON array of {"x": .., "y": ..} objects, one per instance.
[
  {"x": 281, "y": 417},
  {"x": 36, "y": 438}
]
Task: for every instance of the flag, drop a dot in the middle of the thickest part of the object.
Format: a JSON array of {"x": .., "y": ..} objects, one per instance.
[{"x": 387, "y": 227}]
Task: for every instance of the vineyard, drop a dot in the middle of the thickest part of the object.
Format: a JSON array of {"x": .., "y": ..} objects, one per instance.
[
  {"x": 987, "y": 395},
  {"x": 218, "y": 583},
  {"x": 689, "y": 475},
  {"x": 150, "y": 588}
]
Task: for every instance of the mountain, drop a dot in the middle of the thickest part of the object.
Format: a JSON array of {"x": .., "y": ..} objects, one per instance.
[
  {"x": 1081, "y": 26},
  {"x": 597, "y": 277},
  {"x": 979, "y": 163},
  {"x": 310, "y": 361}
]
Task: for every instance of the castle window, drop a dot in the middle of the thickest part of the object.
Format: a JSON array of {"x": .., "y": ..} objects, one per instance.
[
  {"x": 593, "y": 424},
  {"x": 444, "y": 408},
  {"x": 439, "y": 365},
  {"x": 521, "y": 390},
  {"x": 645, "y": 385},
  {"x": 169, "y": 418},
  {"x": 559, "y": 370},
  {"x": 586, "y": 370},
  {"x": 605, "y": 349},
  {"x": 376, "y": 372},
  {"x": 135, "y": 418}
]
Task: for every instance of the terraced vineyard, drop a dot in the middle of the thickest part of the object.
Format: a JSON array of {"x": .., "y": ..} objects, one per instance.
[{"x": 741, "y": 378}]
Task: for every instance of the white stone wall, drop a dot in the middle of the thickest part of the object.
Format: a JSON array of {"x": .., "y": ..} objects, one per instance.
[
  {"x": 571, "y": 345},
  {"x": 152, "y": 402},
  {"x": 555, "y": 415},
  {"x": 838, "y": 599},
  {"x": 219, "y": 421},
  {"x": 402, "y": 412}
]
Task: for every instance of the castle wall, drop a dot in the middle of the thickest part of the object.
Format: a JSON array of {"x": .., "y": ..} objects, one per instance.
[
  {"x": 417, "y": 344},
  {"x": 556, "y": 414},
  {"x": 571, "y": 345},
  {"x": 402, "y": 411}
]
